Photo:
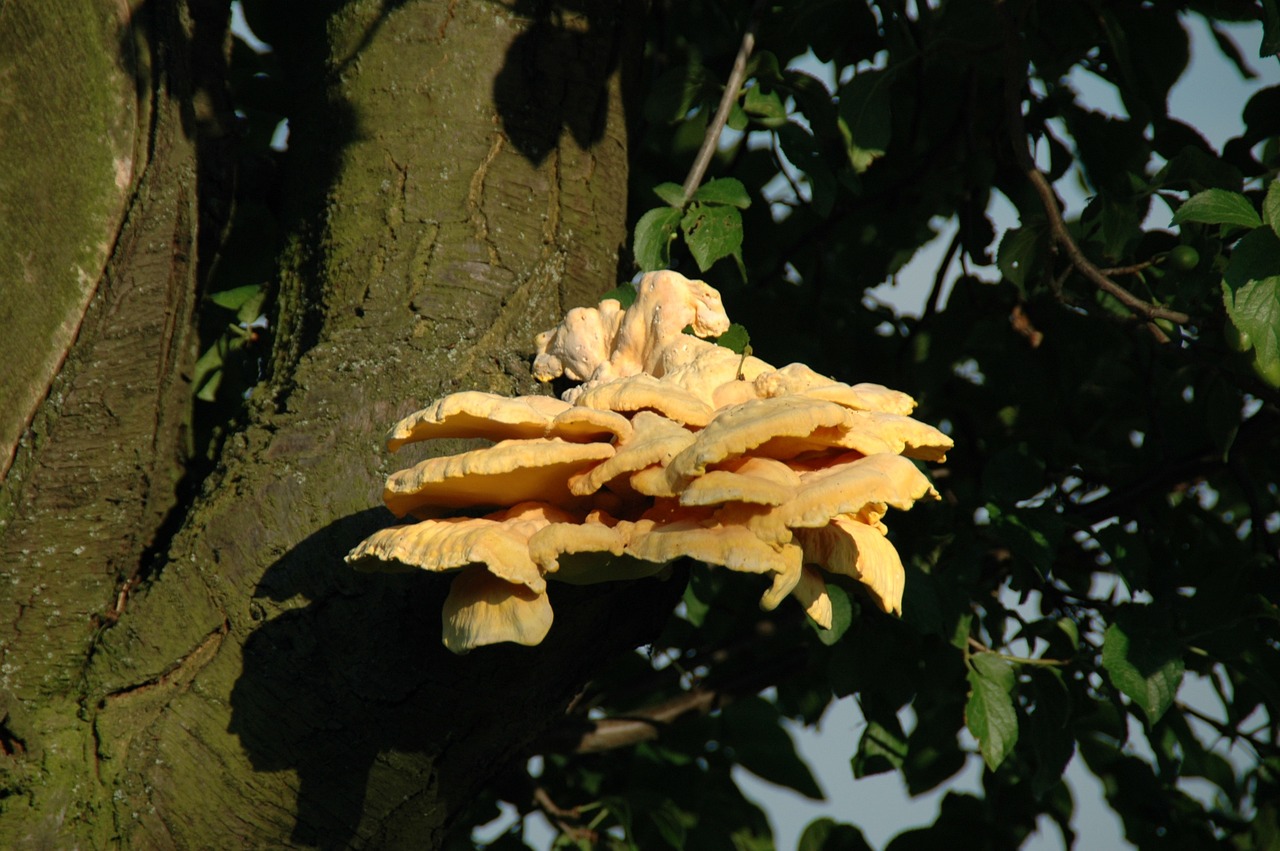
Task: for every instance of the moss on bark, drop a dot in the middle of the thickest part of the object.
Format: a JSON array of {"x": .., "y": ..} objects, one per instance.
[
  {"x": 459, "y": 183},
  {"x": 66, "y": 163}
]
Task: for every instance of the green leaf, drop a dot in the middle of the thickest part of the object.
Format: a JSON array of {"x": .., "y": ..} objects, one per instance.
[
  {"x": 764, "y": 66},
  {"x": 207, "y": 372},
  {"x": 753, "y": 728},
  {"x": 1271, "y": 207},
  {"x": 672, "y": 193},
  {"x": 1218, "y": 207},
  {"x": 1143, "y": 660},
  {"x": 1048, "y": 730},
  {"x": 1112, "y": 224},
  {"x": 713, "y": 231},
  {"x": 668, "y": 819},
  {"x": 933, "y": 751},
  {"x": 234, "y": 299},
  {"x": 1194, "y": 170},
  {"x": 654, "y": 232},
  {"x": 802, "y": 149},
  {"x": 766, "y": 107},
  {"x": 624, "y": 294},
  {"x": 1018, "y": 254},
  {"x": 674, "y": 93},
  {"x": 841, "y": 616},
  {"x": 1270, "y": 29},
  {"x": 736, "y": 339},
  {"x": 1013, "y": 473},
  {"x": 866, "y": 117},
  {"x": 724, "y": 190},
  {"x": 881, "y": 748},
  {"x": 695, "y": 609},
  {"x": 1251, "y": 293},
  {"x": 1030, "y": 533},
  {"x": 1230, "y": 51},
  {"x": 825, "y": 834},
  {"x": 989, "y": 713}
]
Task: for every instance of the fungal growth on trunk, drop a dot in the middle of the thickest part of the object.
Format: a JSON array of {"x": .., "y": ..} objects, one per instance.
[{"x": 669, "y": 446}]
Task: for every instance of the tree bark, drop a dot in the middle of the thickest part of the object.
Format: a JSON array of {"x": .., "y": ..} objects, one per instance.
[{"x": 458, "y": 181}]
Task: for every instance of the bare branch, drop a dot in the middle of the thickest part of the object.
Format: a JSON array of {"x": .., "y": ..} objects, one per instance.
[
  {"x": 1015, "y": 75},
  {"x": 935, "y": 294},
  {"x": 645, "y": 725},
  {"x": 727, "y": 100},
  {"x": 1127, "y": 270}
]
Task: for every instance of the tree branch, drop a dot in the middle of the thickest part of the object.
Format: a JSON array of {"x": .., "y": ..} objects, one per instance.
[
  {"x": 935, "y": 294},
  {"x": 582, "y": 735},
  {"x": 1014, "y": 77},
  {"x": 727, "y": 100},
  {"x": 645, "y": 725}
]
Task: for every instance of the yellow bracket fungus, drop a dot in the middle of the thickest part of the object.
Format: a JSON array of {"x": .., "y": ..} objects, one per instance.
[{"x": 669, "y": 446}]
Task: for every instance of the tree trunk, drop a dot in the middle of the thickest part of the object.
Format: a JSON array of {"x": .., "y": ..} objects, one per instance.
[{"x": 457, "y": 182}]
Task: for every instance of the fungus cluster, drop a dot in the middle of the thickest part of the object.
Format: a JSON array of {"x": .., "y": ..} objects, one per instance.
[{"x": 669, "y": 446}]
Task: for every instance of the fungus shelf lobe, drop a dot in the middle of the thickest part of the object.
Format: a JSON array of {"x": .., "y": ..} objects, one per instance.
[{"x": 669, "y": 446}]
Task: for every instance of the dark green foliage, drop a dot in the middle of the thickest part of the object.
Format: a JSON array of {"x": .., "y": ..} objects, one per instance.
[{"x": 1110, "y": 524}]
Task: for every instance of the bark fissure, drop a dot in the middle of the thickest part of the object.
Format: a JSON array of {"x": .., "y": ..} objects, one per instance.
[
  {"x": 255, "y": 662},
  {"x": 475, "y": 199}
]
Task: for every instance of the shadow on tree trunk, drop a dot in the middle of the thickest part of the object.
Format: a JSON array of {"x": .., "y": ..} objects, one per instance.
[{"x": 350, "y": 689}]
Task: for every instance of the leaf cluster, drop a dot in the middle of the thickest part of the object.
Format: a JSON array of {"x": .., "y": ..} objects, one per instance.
[{"x": 1100, "y": 580}]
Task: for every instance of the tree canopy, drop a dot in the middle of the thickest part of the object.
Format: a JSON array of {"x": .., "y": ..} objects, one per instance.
[
  {"x": 454, "y": 179},
  {"x": 1109, "y": 527}
]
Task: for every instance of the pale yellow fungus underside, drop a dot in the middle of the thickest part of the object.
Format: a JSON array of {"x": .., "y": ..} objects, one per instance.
[
  {"x": 508, "y": 472},
  {"x": 670, "y": 447}
]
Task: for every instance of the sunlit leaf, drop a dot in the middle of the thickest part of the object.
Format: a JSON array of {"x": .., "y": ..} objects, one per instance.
[
  {"x": 765, "y": 107},
  {"x": 1271, "y": 207},
  {"x": 725, "y": 190},
  {"x": 624, "y": 294},
  {"x": 866, "y": 113},
  {"x": 653, "y": 235},
  {"x": 713, "y": 231},
  {"x": 736, "y": 339},
  {"x": 1218, "y": 207},
  {"x": 1251, "y": 292},
  {"x": 234, "y": 299},
  {"x": 672, "y": 193},
  {"x": 990, "y": 713}
]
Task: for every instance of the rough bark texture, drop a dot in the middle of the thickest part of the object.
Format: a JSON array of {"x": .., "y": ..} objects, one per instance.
[
  {"x": 66, "y": 107},
  {"x": 459, "y": 182},
  {"x": 96, "y": 475}
]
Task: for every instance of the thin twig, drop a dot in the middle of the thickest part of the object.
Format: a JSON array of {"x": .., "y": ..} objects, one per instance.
[
  {"x": 935, "y": 294},
  {"x": 1226, "y": 730},
  {"x": 543, "y": 799},
  {"x": 1014, "y": 75},
  {"x": 1017, "y": 660},
  {"x": 1127, "y": 270},
  {"x": 727, "y": 100},
  {"x": 645, "y": 725}
]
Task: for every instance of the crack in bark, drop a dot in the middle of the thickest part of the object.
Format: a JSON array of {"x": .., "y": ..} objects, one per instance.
[
  {"x": 178, "y": 676},
  {"x": 475, "y": 198},
  {"x": 448, "y": 18},
  {"x": 420, "y": 263},
  {"x": 551, "y": 231}
]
